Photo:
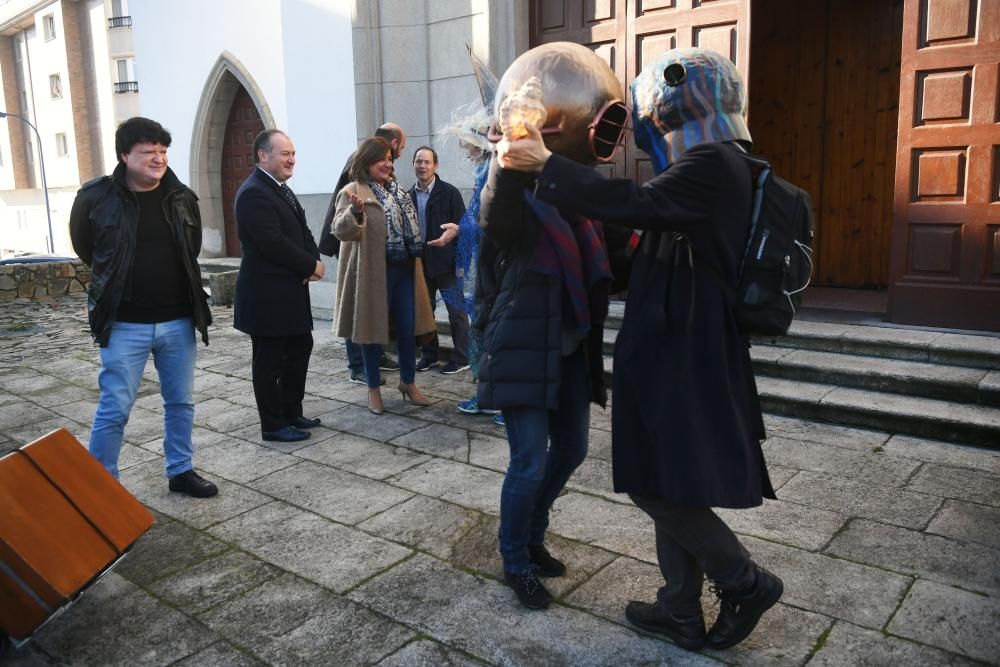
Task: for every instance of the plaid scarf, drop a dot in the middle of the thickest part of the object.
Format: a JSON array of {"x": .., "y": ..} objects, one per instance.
[
  {"x": 402, "y": 231},
  {"x": 575, "y": 253}
]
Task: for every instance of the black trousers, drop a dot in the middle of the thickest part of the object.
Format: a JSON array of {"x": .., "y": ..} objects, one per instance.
[
  {"x": 279, "y": 377},
  {"x": 457, "y": 318},
  {"x": 692, "y": 543}
]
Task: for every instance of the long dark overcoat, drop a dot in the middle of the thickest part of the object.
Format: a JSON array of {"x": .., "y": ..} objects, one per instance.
[
  {"x": 279, "y": 252},
  {"x": 686, "y": 417}
]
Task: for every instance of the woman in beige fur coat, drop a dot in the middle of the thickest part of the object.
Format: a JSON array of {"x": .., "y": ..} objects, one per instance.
[{"x": 380, "y": 271}]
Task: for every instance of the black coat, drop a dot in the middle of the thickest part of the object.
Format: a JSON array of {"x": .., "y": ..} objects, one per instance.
[
  {"x": 521, "y": 316},
  {"x": 278, "y": 254},
  {"x": 445, "y": 204},
  {"x": 686, "y": 416},
  {"x": 103, "y": 227}
]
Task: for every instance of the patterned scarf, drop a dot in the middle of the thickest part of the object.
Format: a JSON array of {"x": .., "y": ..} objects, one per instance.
[
  {"x": 402, "y": 231},
  {"x": 575, "y": 253}
]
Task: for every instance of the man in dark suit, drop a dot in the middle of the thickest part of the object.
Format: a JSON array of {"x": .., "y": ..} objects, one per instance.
[{"x": 280, "y": 258}]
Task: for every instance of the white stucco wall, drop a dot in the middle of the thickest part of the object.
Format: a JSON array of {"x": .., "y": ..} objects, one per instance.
[{"x": 297, "y": 51}]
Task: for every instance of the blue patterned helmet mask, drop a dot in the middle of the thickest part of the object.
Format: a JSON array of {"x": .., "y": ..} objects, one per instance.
[{"x": 687, "y": 97}]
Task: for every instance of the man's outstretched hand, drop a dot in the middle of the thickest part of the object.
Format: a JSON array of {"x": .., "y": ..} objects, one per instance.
[{"x": 449, "y": 234}]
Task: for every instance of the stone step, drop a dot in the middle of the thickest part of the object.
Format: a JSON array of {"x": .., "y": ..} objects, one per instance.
[
  {"x": 934, "y": 400},
  {"x": 910, "y": 378}
]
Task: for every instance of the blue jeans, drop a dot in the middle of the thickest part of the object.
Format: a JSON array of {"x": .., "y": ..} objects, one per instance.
[
  {"x": 122, "y": 362},
  {"x": 546, "y": 446},
  {"x": 355, "y": 362},
  {"x": 399, "y": 289}
]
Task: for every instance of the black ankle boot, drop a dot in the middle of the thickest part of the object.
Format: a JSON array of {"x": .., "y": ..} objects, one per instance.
[
  {"x": 529, "y": 589},
  {"x": 687, "y": 633},
  {"x": 740, "y": 611},
  {"x": 544, "y": 563}
]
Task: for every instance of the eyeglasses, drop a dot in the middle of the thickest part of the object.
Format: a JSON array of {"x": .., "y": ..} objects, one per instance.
[{"x": 604, "y": 134}]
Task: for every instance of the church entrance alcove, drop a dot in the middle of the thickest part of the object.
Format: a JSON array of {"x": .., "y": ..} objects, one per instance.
[
  {"x": 242, "y": 127},
  {"x": 231, "y": 112}
]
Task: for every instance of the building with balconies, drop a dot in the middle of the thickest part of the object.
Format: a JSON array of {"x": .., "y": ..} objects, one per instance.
[{"x": 67, "y": 68}]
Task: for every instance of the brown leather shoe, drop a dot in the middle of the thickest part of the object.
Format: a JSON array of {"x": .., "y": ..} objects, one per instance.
[
  {"x": 375, "y": 405},
  {"x": 412, "y": 394}
]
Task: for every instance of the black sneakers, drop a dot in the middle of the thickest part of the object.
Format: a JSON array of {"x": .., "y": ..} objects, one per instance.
[
  {"x": 361, "y": 378},
  {"x": 740, "y": 611},
  {"x": 193, "y": 484},
  {"x": 424, "y": 364},
  {"x": 687, "y": 633},
  {"x": 453, "y": 367},
  {"x": 387, "y": 364},
  {"x": 529, "y": 589},
  {"x": 544, "y": 564}
]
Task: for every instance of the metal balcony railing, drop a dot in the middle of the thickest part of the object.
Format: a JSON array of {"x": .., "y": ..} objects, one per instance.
[
  {"x": 120, "y": 22},
  {"x": 127, "y": 87}
]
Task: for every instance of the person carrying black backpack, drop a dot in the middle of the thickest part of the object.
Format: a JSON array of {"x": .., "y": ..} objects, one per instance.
[{"x": 686, "y": 417}]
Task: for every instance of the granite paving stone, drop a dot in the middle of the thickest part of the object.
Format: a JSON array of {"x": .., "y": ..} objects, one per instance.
[
  {"x": 959, "y": 483},
  {"x": 955, "y": 620},
  {"x": 968, "y": 522},
  {"x": 61, "y": 393},
  {"x": 873, "y": 467},
  {"x": 835, "y": 587},
  {"x": 30, "y": 432},
  {"x": 331, "y": 493},
  {"x": 480, "y": 616},
  {"x": 861, "y": 499},
  {"x": 437, "y": 440},
  {"x": 615, "y": 526},
  {"x": 594, "y": 476},
  {"x": 423, "y": 523},
  {"x": 455, "y": 482},
  {"x": 224, "y": 416},
  {"x": 167, "y": 547},
  {"x": 148, "y": 483},
  {"x": 13, "y": 415},
  {"x": 375, "y": 540},
  {"x": 488, "y": 451},
  {"x": 116, "y": 623},
  {"x": 786, "y": 522},
  {"x": 241, "y": 461},
  {"x": 144, "y": 425},
  {"x": 478, "y": 550},
  {"x": 824, "y": 434},
  {"x": 214, "y": 581},
  {"x": 361, "y": 456},
  {"x": 331, "y": 555},
  {"x": 849, "y": 646},
  {"x": 220, "y": 654},
  {"x": 966, "y": 564},
  {"x": 426, "y": 653},
  {"x": 79, "y": 411},
  {"x": 945, "y": 453},
  {"x": 294, "y": 622},
  {"x": 358, "y": 421}
]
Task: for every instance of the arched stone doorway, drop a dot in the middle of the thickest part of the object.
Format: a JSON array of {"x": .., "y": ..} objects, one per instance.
[
  {"x": 242, "y": 127},
  {"x": 228, "y": 81}
]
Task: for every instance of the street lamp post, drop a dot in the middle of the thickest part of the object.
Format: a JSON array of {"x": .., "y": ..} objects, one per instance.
[{"x": 41, "y": 163}]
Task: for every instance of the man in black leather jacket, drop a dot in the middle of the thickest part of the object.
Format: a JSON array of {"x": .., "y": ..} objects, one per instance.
[{"x": 139, "y": 230}]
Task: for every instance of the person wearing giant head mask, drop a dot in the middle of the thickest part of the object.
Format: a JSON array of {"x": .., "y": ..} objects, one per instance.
[
  {"x": 686, "y": 417},
  {"x": 545, "y": 290}
]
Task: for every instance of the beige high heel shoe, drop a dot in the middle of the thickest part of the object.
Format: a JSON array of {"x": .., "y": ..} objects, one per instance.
[
  {"x": 375, "y": 405},
  {"x": 412, "y": 394}
]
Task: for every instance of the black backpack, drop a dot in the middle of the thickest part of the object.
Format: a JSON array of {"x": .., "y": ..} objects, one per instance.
[{"x": 777, "y": 262}]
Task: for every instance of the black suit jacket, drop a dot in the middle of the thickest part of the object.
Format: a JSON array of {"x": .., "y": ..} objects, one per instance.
[{"x": 278, "y": 254}]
